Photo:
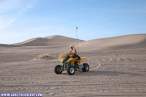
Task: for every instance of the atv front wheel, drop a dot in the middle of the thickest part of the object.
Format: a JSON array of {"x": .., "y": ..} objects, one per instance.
[
  {"x": 85, "y": 67},
  {"x": 71, "y": 70},
  {"x": 58, "y": 69}
]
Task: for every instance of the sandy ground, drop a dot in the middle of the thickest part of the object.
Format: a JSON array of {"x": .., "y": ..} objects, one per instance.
[{"x": 113, "y": 73}]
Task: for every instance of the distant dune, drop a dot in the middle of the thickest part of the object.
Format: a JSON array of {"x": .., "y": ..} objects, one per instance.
[
  {"x": 119, "y": 42},
  {"x": 48, "y": 41},
  {"x": 127, "y": 41},
  {"x": 6, "y": 45}
]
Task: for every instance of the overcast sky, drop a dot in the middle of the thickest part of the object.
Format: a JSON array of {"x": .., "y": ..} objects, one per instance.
[{"x": 24, "y": 19}]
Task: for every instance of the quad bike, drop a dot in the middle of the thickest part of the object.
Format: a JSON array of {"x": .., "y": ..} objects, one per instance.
[{"x": 72, "y": 65}]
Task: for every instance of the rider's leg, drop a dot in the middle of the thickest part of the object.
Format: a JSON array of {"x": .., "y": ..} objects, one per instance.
[{"x": 65, "y": 59}]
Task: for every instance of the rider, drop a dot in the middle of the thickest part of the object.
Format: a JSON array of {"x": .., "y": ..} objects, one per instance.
[
  {"x": 72, "y": 51},
  {"x": 72, "y": 54}
]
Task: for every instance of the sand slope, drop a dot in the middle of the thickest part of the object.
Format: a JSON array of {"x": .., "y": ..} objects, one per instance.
[
  {"x": 6, "y": 45},
  {"x": 127, "y": 41}
]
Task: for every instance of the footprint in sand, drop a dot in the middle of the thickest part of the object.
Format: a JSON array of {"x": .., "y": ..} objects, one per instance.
[
  {"x": 52, "y": 88},
  {"x": 52, "y": 94}
]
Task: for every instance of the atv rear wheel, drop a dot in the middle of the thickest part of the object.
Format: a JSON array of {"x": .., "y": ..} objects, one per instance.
[
  {"x": 58, "y": 69},
  {"x": 71, "y": 70},
  {"x": 85, "y": 67}
]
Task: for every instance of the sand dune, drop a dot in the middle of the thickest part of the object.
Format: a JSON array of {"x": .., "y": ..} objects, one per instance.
[
  {"x": 29, "y": 67},
  {"x": 46, "y": 41},
  {"x": 127, "y": 41}
]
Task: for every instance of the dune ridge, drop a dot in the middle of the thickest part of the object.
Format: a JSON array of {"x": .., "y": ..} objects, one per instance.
[{"x": 51, "y": 40}]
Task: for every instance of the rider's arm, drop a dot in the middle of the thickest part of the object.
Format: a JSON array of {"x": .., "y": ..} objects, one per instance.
[{"x": 75, "y": 51}]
